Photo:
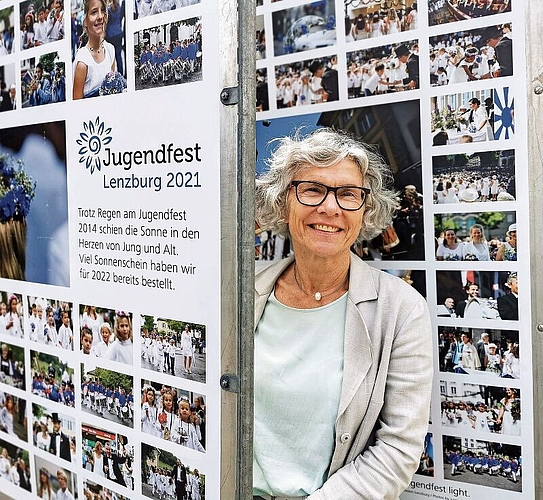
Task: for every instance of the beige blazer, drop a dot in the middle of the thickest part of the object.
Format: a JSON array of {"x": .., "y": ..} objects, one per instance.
[{"x": 387, "y": 379}]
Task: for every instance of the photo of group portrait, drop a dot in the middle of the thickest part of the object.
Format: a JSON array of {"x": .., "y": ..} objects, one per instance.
[
  {"x": 373, "y": 19},
  {"x": 98, "y": 48},
  {"x": 54, "y": 432},
  {"x": 383, "y": 70},
  {"x": 168, "y": 476},
  {"x": 471, "y": 177},
  {"x": 480, "y": 462},
  {"x": 11, "y": 314},
  {"x": 108, "y": 455},
  {"x": 14, "y": 464},
  {"x": 173, "y": 414},
  {"x": 52, "y": 378},
  {"x": 50, "y": 322},
  {"x": 450, "y": 11},
  {"x": 470, "y": 56},
  {"x": 489, "y": 352},
  {"x": 106, "y": 334},
  {"x": 43, "y": 80},
  {"x": 54, "y": 482},
  {"x": 168, "y": 54},
  {"x": 41, "y": 22},
  {"x": 479, "y": 236},
  {"x": 174, "y": 347},
  {"x": 107, "y": 394}
]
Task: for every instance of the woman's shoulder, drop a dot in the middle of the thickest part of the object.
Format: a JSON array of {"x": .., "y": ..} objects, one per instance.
[{"x": 82, "y": 55}]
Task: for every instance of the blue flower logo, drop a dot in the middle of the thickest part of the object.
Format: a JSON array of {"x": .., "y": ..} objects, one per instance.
[{"x": 91, "y": 141}]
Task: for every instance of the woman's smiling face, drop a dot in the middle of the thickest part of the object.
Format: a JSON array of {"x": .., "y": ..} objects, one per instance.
[
  {"x": 96, "y": 18},
  {"x": 325, "y": 230}
]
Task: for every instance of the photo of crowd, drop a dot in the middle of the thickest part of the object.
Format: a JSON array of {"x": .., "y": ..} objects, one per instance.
[
  {"x": 383, "y": 70},
  {"x": 7, "y": 45},
  {"x": 52, "y": 378},
  {"x": 106, "y": 334},
  {"x": 480, "y": 294},
  {"x": 481, "y": 176},
  {"x": 12, "y": 365},
  {"x": 373, "y": 18},
  {"x": 43, "y": 81},
  {"x": 107, "y": 394},
  {"x": 54, "y": 482},
  {"x": 173, "y": 414},
  {"x": 50, "y": 322},
  {"x": 472, "y": 408},
  {"x": 11, "y": 315},
  {"x": 144, "y": 8},
  {"x": 470, "y": 56},
  {"x": 305, "y": 27},
  {"x": 306, "y": 82},
  {"x": 108, "y": 455},
  {"x": 54, "y": 433},
  {"x": 450, "y": 11},
  {"x": 165, "y": 476},
  {"x": 13, "y": 420},
  {"x": 41, "y": 23},
  {"x": 168, "y": 54},
  {"x": 498, "y": 352},
  {"x": 95, "y": 491},
  {"x": 14, "y": 465},
  {"x": 174, "y": 347},
  {"x": 482, "y": 236},
  {"x": 485, "y": 463}
]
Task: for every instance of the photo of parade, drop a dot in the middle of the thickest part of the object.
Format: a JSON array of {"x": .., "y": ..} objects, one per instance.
[
  {"x": 480, "y": 294},
  {"x": 173, "y": 414},
  {"x": 373, "y": 18},
  {"x": 485, "y": 463},
  {"x": 144, "y": 8},
  {"x": 98, "y": 48},
  {"x": 304, "y": 27},
  {"x": 54, "y": 482},
  {"x": 34, "y": 201},
  {"x": 13, "y": 420},
  {"x": 108, "y": 455},
  {"x": 107, "y": 394},
  {"x": 95, "y": 491},
  {"x": 426, "y": 464},
  {"x": 106, "y": 333},
  {"x": 54, "y": 432},
  {"x": 41, "y": 23},
  {"x": 480, "y": 176},
  {"x": 490, "y": 352},
  {"x": 52, "y": 378},
  {"x": 8, "y": 88},
  {"x": 7, "y": 45},
  {"x": 391, "y": 129},
  {"x": 383, "y": 70},
  {"x": 15, "y": 465},
  {"x": 50, "y": 322},
  {"x": 450, "y": 11},
  {"x": 165, "y": 476},
  {"x": 168, "y": 54},
  {"x": 12, "y": 365},
  {"x": 11, "y": 313},
  {"x": 472, "y": 408},
  {"x": 306, "y": 82},
  {"x": 481, "y": 236},
  {"x": 470, "y": 56},
  {"x": 43, "y": 80},
  {"x": 173, "y": 346},
  {"x": 463, "y": 118}
]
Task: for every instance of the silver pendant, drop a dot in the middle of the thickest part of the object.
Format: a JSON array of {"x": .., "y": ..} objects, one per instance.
[{"x": 318, "y": 296}]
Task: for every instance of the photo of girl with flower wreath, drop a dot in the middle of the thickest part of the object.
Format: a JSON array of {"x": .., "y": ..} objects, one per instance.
[{"x": 33, "y": 204}]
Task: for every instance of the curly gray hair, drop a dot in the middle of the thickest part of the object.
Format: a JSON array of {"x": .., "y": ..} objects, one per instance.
[{"x": 324, "y": 148}]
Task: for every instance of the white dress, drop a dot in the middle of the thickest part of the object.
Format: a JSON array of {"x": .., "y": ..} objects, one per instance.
[
  {"x": 186, "y": 344},
  {"x": 450, "y": 253},
  {"x": 510, "y": 426},
  {"x": 96, "y": 72},
  {"x": 476, "y": 252},
  {"x": 43, "y": 443},
  {"x": 98, "y": 466}
]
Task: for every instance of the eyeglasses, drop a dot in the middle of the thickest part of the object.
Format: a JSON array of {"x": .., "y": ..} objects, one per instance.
[{"x": 312, "y": 194}]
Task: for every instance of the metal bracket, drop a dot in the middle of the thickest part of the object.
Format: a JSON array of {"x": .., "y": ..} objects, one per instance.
[
  {"x": 229, "y": 382},
  {"x": 230, "y": 96}
]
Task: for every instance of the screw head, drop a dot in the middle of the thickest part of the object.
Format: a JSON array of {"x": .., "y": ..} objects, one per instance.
[
  {"x": 225, "y": 95},
  {"x": 538, "y": 90},
  {"x": 224, "y": 383},
  {"x": 540, "y": 328}
]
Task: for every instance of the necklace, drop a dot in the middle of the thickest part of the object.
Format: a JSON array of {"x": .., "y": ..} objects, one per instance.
[
  {"x": 318, "y": 296},
  {"x": 98, "y": 50}
]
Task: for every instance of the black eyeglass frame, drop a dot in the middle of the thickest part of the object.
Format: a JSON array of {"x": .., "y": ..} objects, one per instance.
[{"x": 365, "y": 190}]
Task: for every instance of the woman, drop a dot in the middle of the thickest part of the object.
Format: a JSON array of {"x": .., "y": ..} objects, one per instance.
[
  {"x": 508, "y": 250},
  {"x": 479, "y": 119},
  {"x": 509, "y": 415},
  {"x": 12, "y": 319},
  {"x": 448, "y": 195},
  {"x": 43, "y": 438},
  {"x": 187, "y": 349},
  {"x": 98, "y": 459},
  {"x": 96, "y": 57},
  {"x": 462, "y": 70},
  {"x": 326, "y": 192},
  {"x": 511, "y": 364},
  {"x": 449, "y": 249},
  {"x": 477, "y": 247},
  {"x": 45, "y": 490}
]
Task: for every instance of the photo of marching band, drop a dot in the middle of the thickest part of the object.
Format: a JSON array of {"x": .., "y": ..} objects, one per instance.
[
  {"x": 168, "y": 54},
  {"x": 41, "y": 23},
  {"x": 43, "y": 81}
]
